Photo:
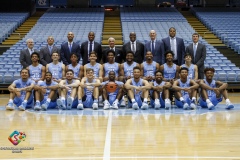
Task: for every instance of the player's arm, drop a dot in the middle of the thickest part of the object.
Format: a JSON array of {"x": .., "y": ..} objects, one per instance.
[
  {"x": 177, "y": 72},
  {"x": 43, "y": 73},
  {"x": 12, "y": 87},
  {"x": 74, "y": 85},
  {"x": 221, "y": 85},
  {"x": 175, "y": 86},
  {"x": 193, "y": 84},
  {"x": 55, "y": 87},
  {"x": 195, "y": 72},
  {"x": 63, "y": 71},
  {"x": 128, "y": 85},
  {"x": 146, "y": 85},
  {"x": 100, "y": 73},
  {"x": 61, "y": 84},
  {"x": 205, "y": 86},
  {"x": 47, "y": 66},
  {"x": 96, "y": 84},
  {"x": 80, "y": 74},
  {"x": 121, "y": 70},
  {"x": 142, "y": 71}
]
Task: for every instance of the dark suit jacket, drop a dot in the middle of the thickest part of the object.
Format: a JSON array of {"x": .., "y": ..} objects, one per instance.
[
  {"x": 139, "y": 54},
  {"x": 25, "y": 58},
  {"x": 65, "y": 53},
  {"x": 158, "y": 55},
  {"x": 45, "y": 56},
  {"x": 199, "y": 59},
  {"x": 118, "y": 55},
  {"x": 84, "y": 51},
  {"x": 180, "y": 49}
]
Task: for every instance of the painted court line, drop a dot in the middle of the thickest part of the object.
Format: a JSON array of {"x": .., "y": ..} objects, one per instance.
[{"x": 107, "y": 147}]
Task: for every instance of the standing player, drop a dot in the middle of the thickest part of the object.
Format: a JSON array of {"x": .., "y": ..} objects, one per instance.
[
  {"x": 137, "y": 90},
  {"x": 75, "y": 66},
  {"x": 213, "y": 91},
  {"x": 192, "y": 68},
  {"x": 21, "y": 92},
  {"x": 111, "y": 65}
]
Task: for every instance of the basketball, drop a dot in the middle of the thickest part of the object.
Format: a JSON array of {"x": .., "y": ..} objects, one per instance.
[{"x": 111, "y": 87}]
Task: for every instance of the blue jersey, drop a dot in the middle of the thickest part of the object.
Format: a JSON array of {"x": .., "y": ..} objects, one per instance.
[
  {"x": 111, "y": 67},
  {"x": 118, "y": 83},
  {"x": 95, "y": 68},
  {"x": 75, "y": 69},
  {"x": 19, "y": 83},
  {"x": 56, "y": 70},
  {"x": 88, "y": 91},
  {"x": 44, "y": 84},
  {"x": 138, "y": 84},
  {"x": 161, "y": 84},
  {"x": 191, "y": 71},
  {"x": 184, "y": 85},
  {"x": 169, "y": 72},
  {"x": 149, "y": 69},
  {"x": 128, "y": 70},
  {"x": 212, "y": 85},
  {"x": 35, "y": 72}
]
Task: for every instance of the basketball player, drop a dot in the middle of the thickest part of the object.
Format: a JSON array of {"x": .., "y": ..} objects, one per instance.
[
  {"x": 111, "y": 65},
  {"x": 137, "y": 90},
  {"x": 213, "y": 91},
  {"x": 56, "y": 68},
  {"x": 68, "y": 89},
  {"x": 21, "y": 92},
  {"x": 45, "y": 93},
  {"x": 112, "y": 98},
  {"x": 149, "y": 67},
  {"x": 88, "y": 91},
  {"x": 185, "y": 90},
  {"x": 75, "y": 66},
  {"x": 192, "y": 68},
  {"x": 37, "y": 71},
  {"x": 160, "y": 92}
]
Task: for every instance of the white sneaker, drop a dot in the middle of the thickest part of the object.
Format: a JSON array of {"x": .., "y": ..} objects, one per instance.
[
  {"x": 167, "y": 103},
  {"x": 186, "y": 106},
  {"x": 210, "y": 106},
  {"x": 135, "y": 106},
  {"x": 106, "y": 105},
  {"x": 10, "y": 106},
  {"x": 157, "y": 104},
  {"x": 229, "y": 105},
  {"x": 193, "y": 106},
  {"x": 123, "y": 103},
  {"x": 95, "y": 106},
  {"x": 80, "y": 106},
  {"x": 144, "y": 106},
  {"x": 115, "y": 105}
]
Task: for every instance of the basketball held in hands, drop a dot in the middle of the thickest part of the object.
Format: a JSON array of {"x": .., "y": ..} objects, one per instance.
[{"x": 111, "y": 87}]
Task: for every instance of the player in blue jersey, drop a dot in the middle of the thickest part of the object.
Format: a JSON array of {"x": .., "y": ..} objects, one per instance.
[
  {"x": 185, "y": 90},
  {"x": 213, "y": 91},
  {"x": 112, "y": 98},
  {"x": 37, "y": 71},
  {"x": 111, "y": 65},
  {"x": 45, "y": 93},
  {"x": 21, "y": 92},
  {"x": 56, "y": 68},
  {"x": 137, "y": 90},
  {"x": 192, "y": 68},
  {"x": 88, "y": 91},
  {"x": 68, "y": 91},
  {"x": 149, "y": 67},
  {"x": 160, "y": 92},
  {"x": 75, "y": 66}
]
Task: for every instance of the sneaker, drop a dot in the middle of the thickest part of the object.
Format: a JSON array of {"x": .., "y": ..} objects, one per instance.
[
  {"x": 115, "y": 105},
  {"x": 144, "y": 106},
  {"x": 229, "y": 105},
  {"x": 61, "y": 104},
  {"x": 45, "y": 105},
  {"x": 80, "y": 106},
  {"x": 157, "y": 105},
  {"x": 69, "y": 103},
  {"x": 37, "y": 106},
  {"x": 10, "y": 106},
  {"x": 193, "y": 105},
  {"x": 167, "y": 104},
  {"x": 210, "y": 106},
  {"x": 106, "y": 105},
  {"x": 22, "y": 107},
  {"x": 135, "y": 106},
  {"x": 186, "y": 106},
  {"x": 95, "y": 106},
  {"x": 123, "y": 103}
]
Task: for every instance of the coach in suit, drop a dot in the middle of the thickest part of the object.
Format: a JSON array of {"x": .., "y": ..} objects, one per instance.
[
  {"x": 118, "y": 53},
  {"x": 68, "y": 48},
  {"x": 25, "y": 54},
  {"x": 46, "y": 52},
  {"x": 136, "y": 47},
  {"x": 156, "y": 47},
  {"x": 176, "y": 45},
  {"x": 89, "y": 46},
  {"x": 198, "y": 52}
]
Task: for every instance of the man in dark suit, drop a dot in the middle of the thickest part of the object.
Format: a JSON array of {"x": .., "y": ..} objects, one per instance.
[
  {"x": 89, "y": 46},
  {"x": 198, "y": 52},
  {"x": 176, "y": 45},
  {"x": 46, "y": 52},
  {"x": 136, "y": 47},
  {"x": 156, "y": 47},
  {"x": 25, "y": 54},
  {"x": 118, "y": 53},
  {"x": 68, "y": 48}
]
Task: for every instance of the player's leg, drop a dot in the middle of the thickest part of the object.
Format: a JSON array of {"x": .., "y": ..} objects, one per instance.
[
  {"x": 145, "y": 94},
  {"x": 80, "y": 94},
  {"x": 10, "y": 105},
  {"x": 95, "y": 95}
]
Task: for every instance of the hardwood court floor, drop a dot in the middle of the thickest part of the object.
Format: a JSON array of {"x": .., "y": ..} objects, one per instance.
[{"x": 123, "y": 134}]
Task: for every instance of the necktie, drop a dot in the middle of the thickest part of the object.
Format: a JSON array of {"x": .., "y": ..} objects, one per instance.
[
  {"x": 133, "y": 48},
  {"x": 173, "y": 48},
  {"x": 194, "y": 50},
  {"x": 50, "y": 50},
  {"x": 90, "y": 48},
  {"x": 153, "y": 48},
  {"x": 70, "y": 47}
]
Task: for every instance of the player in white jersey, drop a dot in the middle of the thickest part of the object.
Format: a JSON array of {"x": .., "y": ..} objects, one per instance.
[
  {"x": 68, "y": 91},
  {"x": 21, "y": 92},
  {"x": 45, "y": 93},
  {"x": 192, "y": 68},
  {"x": 75, "y": 66},
  {"x": 213, "y": 91},
  {"x": 185, "y": 90}
]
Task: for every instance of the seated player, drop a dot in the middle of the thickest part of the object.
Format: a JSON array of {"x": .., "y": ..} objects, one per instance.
[
  {"x": 192, "y": 68},
  {"x": 160, "y": 92},
  {"x": 75, "y": 66},
  {"x": 185, "y": 91},
  {"x": 45, "y": 93},
  {"x": 88, "y": 91},
  {"x": 21, "y": 92},
  {"x": 112, "y": 91},
  {"x": 137, "y": 90},
  {"x": 149, "y": 67},
  {"x": 213, "y": 91},
  {"x": 68, "y": 89},
  {"x": 111, "y": 65}
]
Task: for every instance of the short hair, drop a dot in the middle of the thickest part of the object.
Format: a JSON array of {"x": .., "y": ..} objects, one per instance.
[
  {"x": 70, "y": 70},
  {"x": 48, "y": 73},
  {"x": 195, "y": 34},
  {"x": 209, "y": 69},
  {"x": 25, "y": 69},
  {"x": 129, "y": 52},
  {"x": 110, "y": 51},
  {"x": 111, "y": 71},
  {"x": 74, "y": 54},
  {"x": 29, "y": 39},
  {"x": 89, "y": 69},
  {"x": 167, "y": 52},
  {"x": 187, "y": 54},
  {"x": 137, "y": 67},
  {"x": 111, "y": 38},
  {"x": 91, "y": 32},
  {"x": 93, "y": 52},
  {"x": 183, "y": 68},
  {"x": 149, "y": 51},
  {"x": 35, "y": 53},
  {"x": 158, "y": 71},
  {"x": 172, "y": 28}
]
